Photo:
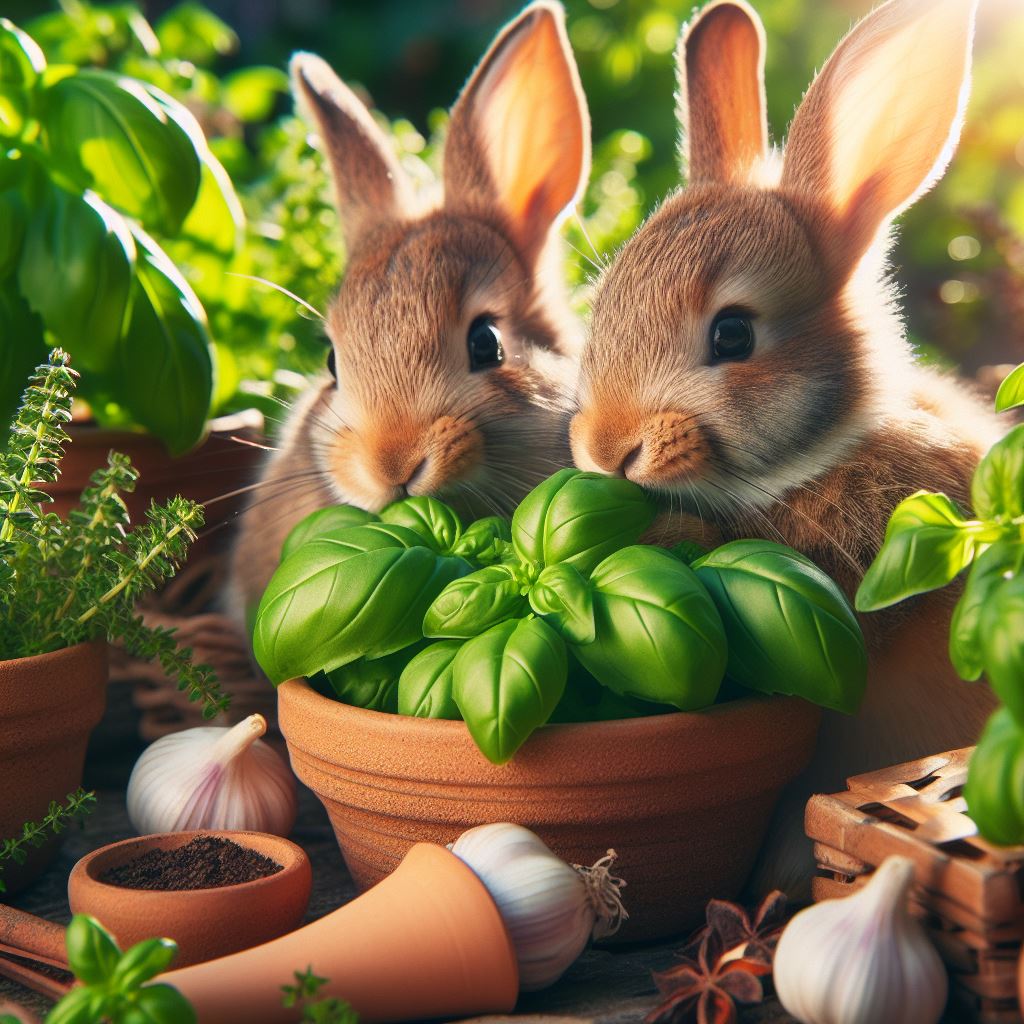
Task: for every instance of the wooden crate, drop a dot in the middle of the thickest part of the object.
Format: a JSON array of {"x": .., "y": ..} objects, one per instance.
[{"x": 968, "y": 892}]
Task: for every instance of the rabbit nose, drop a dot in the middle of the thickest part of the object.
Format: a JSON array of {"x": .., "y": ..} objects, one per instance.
[
  {"x": 415, "y": 477},
  {"x": 603, "y": 448}
]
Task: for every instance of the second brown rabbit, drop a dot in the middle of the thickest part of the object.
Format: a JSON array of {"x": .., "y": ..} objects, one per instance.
[
  {"x": 451, "y": 339},
  {"x": 747, "y": 360}
]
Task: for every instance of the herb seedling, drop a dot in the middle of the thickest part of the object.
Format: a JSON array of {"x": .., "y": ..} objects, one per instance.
[{"x": 303, "y": 994}]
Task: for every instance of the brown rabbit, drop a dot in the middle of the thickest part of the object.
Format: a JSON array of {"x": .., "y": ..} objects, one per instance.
[
  {"x": 748, "y": 363},
  {"x": 451, "y": 338}
]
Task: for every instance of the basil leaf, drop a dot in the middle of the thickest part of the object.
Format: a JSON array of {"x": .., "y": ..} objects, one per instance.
[
  {"x": 23, "y": 348},
  {"x": 507, "y": 682},
  {"x": 13, "y": 220},
  {"x": 472, "y": 604},
  {"x": 143, "y": 961},
  {"x": 76, "y": 273},
  {"x": 927, "y": 543},
  {"x": 579, "y": 518},
  {"x": 485, "y": 541},
  {"x": 562, "y": 597},
  {"x": 158, "y": 1004},
  {"x": 165, "y": 368},
  {"x": 371, "y": 684},
  {"x": 987, "y": 574},
  {"x": 688, "y": 551},
  {"x": 324, "y": 520},
  {"x": 80, "y": 1006},
  {"x": 995, "y": 781},
  {"x": 361, "y": 592},
  {"x": 425, "y": 688},
  {"x": 586, "y": 700},
  {"x": 435, "y": 522},
  {"x": 997, "y": 489},
  {"x": 21, "y": 64},
  {"x": 1002, "y": 643},
  {"x": 658, "y": 635},
  {"x": 1011, "y": 391},
  {"x": 113, "y": 134},
  {"x": 91, "y": 951},
  {"x": 788, "y": 625}
]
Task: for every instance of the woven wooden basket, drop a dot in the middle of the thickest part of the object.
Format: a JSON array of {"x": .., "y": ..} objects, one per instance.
[{"x": 968, "y": 892}]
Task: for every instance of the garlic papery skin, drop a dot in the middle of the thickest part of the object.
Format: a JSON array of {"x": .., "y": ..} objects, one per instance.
[
  {"x": 551, "y": 910},
  {"x": 212, "y": 778},
  {"x": 862, "y": 959}
]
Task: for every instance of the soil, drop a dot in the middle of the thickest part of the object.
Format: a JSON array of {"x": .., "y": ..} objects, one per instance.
[{"x": 207, "y": 862}]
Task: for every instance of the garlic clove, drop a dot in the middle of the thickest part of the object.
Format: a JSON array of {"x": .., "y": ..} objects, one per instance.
[
  {"x": 862, "y": 959},
  {"x": 551, "y": 910},
  {"x": 212, "y": 778}
]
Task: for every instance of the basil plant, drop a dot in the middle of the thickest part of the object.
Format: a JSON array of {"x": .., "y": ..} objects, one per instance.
[
  {"x": 929, "y": 542},
  {"x": 557, "y": 615}
]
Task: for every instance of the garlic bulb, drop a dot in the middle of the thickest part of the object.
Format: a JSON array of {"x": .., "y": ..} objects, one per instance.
[
  {"x": 212, "y": 778},
  {"x": 551, "y": 910},
  {"x": 862, "y": 959}
]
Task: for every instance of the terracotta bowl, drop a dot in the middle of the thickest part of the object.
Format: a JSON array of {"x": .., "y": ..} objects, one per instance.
[
  {"x": 683, "y": 798},
  {"x": 49, "y": 704},
  {"x": 206, "y": 923}
]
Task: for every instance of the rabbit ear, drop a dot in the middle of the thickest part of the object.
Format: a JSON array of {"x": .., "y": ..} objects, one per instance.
[
  {"x": 880, "y": 122},
  {"x": 370, "y": 185},
  {"x": 721, "y": 103},
  {"x": 519, "y": 136}
]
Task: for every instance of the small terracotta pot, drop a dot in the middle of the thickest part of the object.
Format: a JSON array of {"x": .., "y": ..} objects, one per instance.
[
  {"x": 428, "y": 942},
  {"x": 684, "y": 799},
  {"x": 205, "y": 923},
  {"x": 49, "y": 704}
]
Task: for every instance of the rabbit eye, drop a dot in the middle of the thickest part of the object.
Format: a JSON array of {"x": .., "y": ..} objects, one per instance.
[
  {"x": 484, "y": 343},
  {"x": 732, "y": 336},
  {"x": 331, "y": 362}
]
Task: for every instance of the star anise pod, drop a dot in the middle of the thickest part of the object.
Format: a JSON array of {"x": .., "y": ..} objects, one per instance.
[
  {"x": 706, "y": 990},
  {"x": 754, "y": 935}
]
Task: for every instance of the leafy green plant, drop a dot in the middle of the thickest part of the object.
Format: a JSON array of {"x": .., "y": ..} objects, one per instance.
[
  {"x": 557, "y": 615},
  {"x": 303, "y": 994},
  {"x": 929, "y": 542},
  {"x": 66, "y": 581},
  {"x": 113, "y": 985},
  {"x": 97, "y": 166},
  {"x": 34, "y": 834}
]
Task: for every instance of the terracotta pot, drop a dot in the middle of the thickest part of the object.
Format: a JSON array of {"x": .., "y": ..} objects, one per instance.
[
  {"x": 215, "y": 468},
  {"x": 683, "y": 798},
  {"x": 49, "y": 703},
  {"x": 427, "y": 942},
  {"x": 205, "y": 923}
]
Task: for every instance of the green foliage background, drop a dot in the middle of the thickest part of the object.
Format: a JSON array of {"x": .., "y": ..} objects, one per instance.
[{"x": 960, "y": 259}]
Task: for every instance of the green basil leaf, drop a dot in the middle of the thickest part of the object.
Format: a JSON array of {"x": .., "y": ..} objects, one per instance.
[
  {"x": 927, "y": 543},
  {"x": 579, "y": 518},
  {"x": 250, "y": 93},
  {"x": 507, "y": 683},
  {"x": 586, "y": 700},
  {"x": 113, "y": 134},
  {"x": 191, "y": 32},
  {"x": 371, "y": 684},
  {"x": 23, "y": 348},
  {"x": 788, "y": 625},
  {"x": 998, "y": 486},
  {"x": 13, "y": 220},
  {"x": 485, "y": 541},
  {"x": 359, "y": 592},
  {"x": 324, "y": 520},
  {"x": 1002, "y": 643},
  {"x": 472, "y": 604},
  {"x": 143, "y": 961},
  {"x": 21, "y": 64},
  {"x": 987, "y": 574},
  {"x": 216, "y": 220},
  {"x": 1011, "y": 391},
  {"x": 562, "y": 597},
  {"x": 76, "y": 273},
  {"x": 688, "y": 551},
  {"x": 158, "y": 1004},
  {"x": 425, "y": 689},
  {"x": 92, "y": 953},
  {"x": 995, "y": 781},
  {"x": 658, "y": 637},
  {"x": 165, "y": 369},
  {"x": 434, "y": 521},
  {"x": 79, "y": 1006}
]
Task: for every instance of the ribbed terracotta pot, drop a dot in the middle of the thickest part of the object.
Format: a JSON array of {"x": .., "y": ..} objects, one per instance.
[
  {"x": 684, "y": 799},
  {"x": 205, "y": 923},
  {"x": 48, "y": 706}
]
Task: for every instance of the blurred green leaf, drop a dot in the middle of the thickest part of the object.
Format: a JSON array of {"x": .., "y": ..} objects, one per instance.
[
  {"x": 250, "y": 93},
  {"x": 1011, "y": 391}
]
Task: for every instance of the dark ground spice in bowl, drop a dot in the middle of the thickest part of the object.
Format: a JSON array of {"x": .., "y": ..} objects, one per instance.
[{"x": 207, "y": 862}]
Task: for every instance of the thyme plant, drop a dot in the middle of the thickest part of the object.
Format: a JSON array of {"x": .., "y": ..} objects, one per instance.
[{"x": 65, "y": 581}]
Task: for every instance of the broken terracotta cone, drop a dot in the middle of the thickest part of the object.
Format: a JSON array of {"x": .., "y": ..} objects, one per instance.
[{"x": 426, "y": 942}]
